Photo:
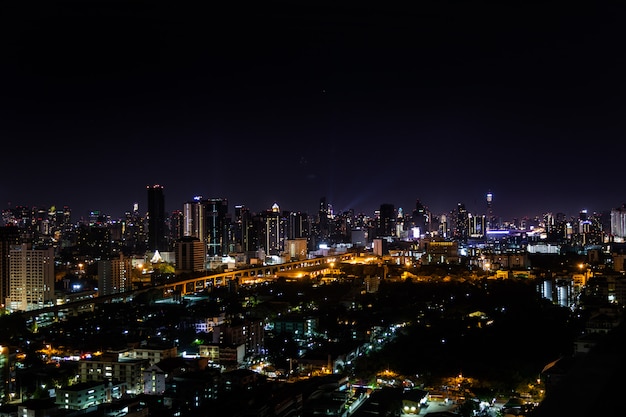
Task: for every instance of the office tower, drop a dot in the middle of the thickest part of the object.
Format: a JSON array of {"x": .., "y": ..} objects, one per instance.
[
  {"x": 134, "y": 230},
  {"x": 245, "y": 234},
  {"x": 298, "y": 225},
  {"x": 9, "y": 237},
  {"x": 324, "y": 220},
  {"x": 217, "y": 226},
  {"x": 156, "y": 219},
  {"x": 461, "y": 222},
  {"x": 386, "y": 221},
  {"x": 31, "y": 278},
  {"x": 194, "y": 222},
  {"x": 114, "y": 276},
  {"x": 420, "y": 219},
  {"x": 491, "y": 221}
]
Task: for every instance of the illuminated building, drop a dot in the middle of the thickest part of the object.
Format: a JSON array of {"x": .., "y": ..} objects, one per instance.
[
  {"x": 245, "y": 236},
  {"x": 194, "y": 224},
  {"x": 461, "y": 223},
  {"x": 477, "y": 226},
  {"x": 31, "y": 278},
  {"x": 217, "y": 226},
  {"x": 491, "y": 220},
  {"x": 273, "y": 231},
  {"x": 114, "y": 276},
  {"x": 9, "y": 236},
  {"x": 420, "y": 218},
  {"x": 190, "y": 254},
  {"x": 110, "y": 366},
  {"x": 82, "y": 396},
  {"x": 618, "y": 222},
  {"x": 440, "y": 252}
]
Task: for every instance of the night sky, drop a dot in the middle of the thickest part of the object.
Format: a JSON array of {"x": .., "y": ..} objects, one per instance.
[{"x": 271, "y": 102}]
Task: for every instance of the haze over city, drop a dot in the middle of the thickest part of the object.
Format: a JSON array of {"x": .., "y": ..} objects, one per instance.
[{"x": 359, "y": 104}]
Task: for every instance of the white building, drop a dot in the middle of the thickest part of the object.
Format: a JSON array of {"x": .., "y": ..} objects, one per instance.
[{"x": 618, "y": 223}]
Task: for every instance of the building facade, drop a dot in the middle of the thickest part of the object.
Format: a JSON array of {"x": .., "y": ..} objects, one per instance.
[
  {"x": 31, "y": 278},
  {"x": 114, "y": 276}
]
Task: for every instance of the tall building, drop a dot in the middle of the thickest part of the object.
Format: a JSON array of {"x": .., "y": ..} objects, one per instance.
[
  {"x": 217, "y": 226},
  {"x": 156, "y": 219},
  {"x": 114, "y": 276},
  {"x": 194, "y": 223},
  {"x": 31, "y": 278},
  {"x": 461, "y": 222},
  {"x": 618, "y": 222},
  {"x": 273, "y": 231},
  {"x": 9, "y": 237},
  {"x": 491, "y": 220},
  {"x": 385, "y": 226},
  {"x": 420, "y": 219},
  {"x": 246, "y": 238},
  {"x": 324, "y": 215}
]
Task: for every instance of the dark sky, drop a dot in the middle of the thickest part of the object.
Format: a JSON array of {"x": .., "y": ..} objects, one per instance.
[{"x": 361, "y": 104}]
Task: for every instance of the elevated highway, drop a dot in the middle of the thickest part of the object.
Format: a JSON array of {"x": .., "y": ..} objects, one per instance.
[{"x": 297, "y": 269}]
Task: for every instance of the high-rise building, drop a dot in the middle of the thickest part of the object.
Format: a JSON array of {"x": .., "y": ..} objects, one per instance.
[
  {"x": 461, "y": 222},
  {"x": 115, "y": 276},
  {"x": 190, "y": 254},
  {"x": 31, "y": 278},
  {"x": 246, "y": 236},
  {"x": 156, "y": 219},
  {"x": 618, "y": 222},
  {"x": 194, "y": 223},
  {"x": 420, "y": 219},
  {"x": 9, "y": 237},
  {"x": 386, "y": 221},
  {"x": 491, "y": 220},
  {"x": 217, "y": 226},
  {"x": 273, "y": 231}
]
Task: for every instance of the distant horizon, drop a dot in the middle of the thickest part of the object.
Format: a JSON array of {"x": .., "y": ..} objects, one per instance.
[{"x": 83, "y": 213}]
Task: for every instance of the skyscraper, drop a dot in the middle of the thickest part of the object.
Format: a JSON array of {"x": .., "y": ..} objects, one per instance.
[
  {"x": 273, "y": 231},
  {"x": 31, "y": 278},
  {"x": 461, "y": 222},
  {"x": 491, "y": 220},
  {"x": 386, "y": 221},
  {"x": 156, "y": 219},
  {"x": 217, "y": 226},
  {"x": 194, "y": 223}
]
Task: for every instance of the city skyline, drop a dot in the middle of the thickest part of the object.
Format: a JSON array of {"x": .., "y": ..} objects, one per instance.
[
  {"x": 361, "y": 105},
  {"x": 477, "y": 209}
]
